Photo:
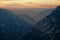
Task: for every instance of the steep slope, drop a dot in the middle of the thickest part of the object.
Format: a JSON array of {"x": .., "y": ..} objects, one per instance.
[
  {"x": 27, "y": 18},
  {"x": 51, "y": 25},
  {"x": 43, "y": 14},
  {"x": 12, "y": 27}
]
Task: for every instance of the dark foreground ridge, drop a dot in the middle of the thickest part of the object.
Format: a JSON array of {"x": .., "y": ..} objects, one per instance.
[
  {"x": 12, "y": 27},
  {"x": 51, "y": 25}
]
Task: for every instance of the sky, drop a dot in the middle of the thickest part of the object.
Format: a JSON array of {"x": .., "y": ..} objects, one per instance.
[{"x": 29, "y": 3}]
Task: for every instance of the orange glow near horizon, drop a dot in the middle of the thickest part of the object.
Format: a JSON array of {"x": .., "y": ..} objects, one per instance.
[{"x": 30, "y": 3}]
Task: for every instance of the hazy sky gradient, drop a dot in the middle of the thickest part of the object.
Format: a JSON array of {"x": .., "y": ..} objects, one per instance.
[{"x": 30, "y": 3}]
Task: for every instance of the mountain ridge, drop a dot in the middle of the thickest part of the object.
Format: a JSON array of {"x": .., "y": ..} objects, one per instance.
[
  {"x": 51, "y": 24},
  {"x": 12, "y": 27},
  {"x": 43, "y": 14}
]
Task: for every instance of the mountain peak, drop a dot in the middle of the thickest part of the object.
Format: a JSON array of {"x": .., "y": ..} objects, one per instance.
[
  {"x": 58, "y": 7},
  {"x": 56, "y": 12},
  {"x": 3, "y": 10}
]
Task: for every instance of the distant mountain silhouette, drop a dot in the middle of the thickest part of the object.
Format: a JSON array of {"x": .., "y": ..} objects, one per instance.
[
  {"x": 12, "y": 26},
  {"x": 51, "y": 25},
  {"x": 27, "y": 18},
  {"x": 28, "y": 11},
  {"x": 43, "y": 14}
]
